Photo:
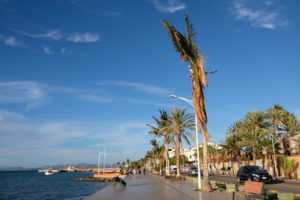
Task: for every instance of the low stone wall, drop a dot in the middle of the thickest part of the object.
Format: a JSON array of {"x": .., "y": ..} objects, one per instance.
[{"x": 93, "y": 179}]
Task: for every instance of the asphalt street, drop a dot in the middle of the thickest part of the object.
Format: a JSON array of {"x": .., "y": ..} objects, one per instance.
[{"x": 280, "y": 186}]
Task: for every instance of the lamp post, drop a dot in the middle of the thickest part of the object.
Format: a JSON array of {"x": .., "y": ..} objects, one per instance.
[
  {"x": 197, "y": 140},
  {"x": 99, "y": 154}
]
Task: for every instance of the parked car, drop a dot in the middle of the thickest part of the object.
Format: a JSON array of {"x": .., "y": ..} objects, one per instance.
[
  {"x": 253, "y": 173},
  {"x": 173, "y": 170},
  {"x": 193, "y": 171}
]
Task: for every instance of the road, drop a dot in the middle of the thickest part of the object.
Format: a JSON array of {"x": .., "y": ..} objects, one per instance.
[{"x": 279, "y": 185}]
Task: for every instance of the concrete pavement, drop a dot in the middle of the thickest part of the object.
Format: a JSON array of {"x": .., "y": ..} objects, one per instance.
[{"x": 146, "y": 187}]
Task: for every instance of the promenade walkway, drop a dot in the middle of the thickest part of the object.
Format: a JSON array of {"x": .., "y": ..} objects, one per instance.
[{"x": 149, "y": 187}]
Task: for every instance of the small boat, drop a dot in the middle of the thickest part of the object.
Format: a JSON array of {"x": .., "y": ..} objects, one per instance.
[{"x": 48, "y": 172}]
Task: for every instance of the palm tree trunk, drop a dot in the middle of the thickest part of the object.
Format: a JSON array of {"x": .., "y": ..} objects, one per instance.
[
  {"x": 254, "y": 154},
  {"x": 160, "y": 171},
  {"x": 206, "y": 183},
  {"x": 167, "y": 160},
  {"x": 199, "y": 106},
  {"x": 177, "y": 156}
]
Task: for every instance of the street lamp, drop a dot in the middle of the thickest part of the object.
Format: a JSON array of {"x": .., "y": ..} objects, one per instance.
[
  {"x": 99, "y": 157},
  {"x": 197, "y": 140}
]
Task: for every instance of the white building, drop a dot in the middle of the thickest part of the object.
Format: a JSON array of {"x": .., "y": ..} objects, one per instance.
[{"x": 190, "y": 152}]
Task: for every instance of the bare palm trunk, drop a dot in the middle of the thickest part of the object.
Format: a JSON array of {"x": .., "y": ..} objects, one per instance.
[
  {"x": 167, "y": 161},
  {"x": 177, "y": 156},
  {"x": 254, "y": 154},
  {"x": 274, "y": 154},
  {"x": 160, "y": 171},
  {"x": 206, "y": 183},
  {"x": 199, "y": 106}
]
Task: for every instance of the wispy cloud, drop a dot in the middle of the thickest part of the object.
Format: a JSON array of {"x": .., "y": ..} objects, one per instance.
[
  {"x": 168, "y": 6},
  {"x": 55, "y": 34},
  {"x": 264, "y": 16},
  {"x": 151, "y": 89},
  {"x": 48, "y": 50},
  {"x": 30, "y": 93},
  {"x": 119, "y": 100},
  {"x": 86, "y": 37},
  {"x": 29, "y": 142},
  {"x": 10, "y": 41},
  {"x": 33, "y": 94},
  {"x": 8, "y": 115}
]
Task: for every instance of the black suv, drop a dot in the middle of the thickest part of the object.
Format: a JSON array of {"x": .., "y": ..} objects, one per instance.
[{"x": 253, "y": 173}]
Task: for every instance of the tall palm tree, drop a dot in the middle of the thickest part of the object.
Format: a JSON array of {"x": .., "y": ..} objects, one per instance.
[
  {"x": 291, "y": 126},
  {"x": 185, "y": 46},
  {"x": 232, "y": 146},
  {"x": 267, "y": 147},
  {"x": 180, "y": 121},
  {"x": 161, "y": 157},
  {"x": 161, "y": 130},
  {"x": 275, "y": 115},
  {"x": 155, "y": 146},
  {"x": 253, "y": 131}
]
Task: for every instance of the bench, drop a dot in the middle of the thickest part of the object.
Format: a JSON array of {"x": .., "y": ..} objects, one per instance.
[{"x": 251, "y": 189}]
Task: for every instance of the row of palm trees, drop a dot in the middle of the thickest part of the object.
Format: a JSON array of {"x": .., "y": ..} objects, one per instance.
[
  {"x": 173, "y": 127},
  {"x": 261, "y": 133}
]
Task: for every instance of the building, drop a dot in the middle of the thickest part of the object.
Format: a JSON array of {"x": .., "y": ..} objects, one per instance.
[{"x": 190, "y": 152}]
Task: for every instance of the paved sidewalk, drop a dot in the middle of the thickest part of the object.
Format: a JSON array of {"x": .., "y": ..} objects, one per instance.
[{"x": 140, "y": 187}]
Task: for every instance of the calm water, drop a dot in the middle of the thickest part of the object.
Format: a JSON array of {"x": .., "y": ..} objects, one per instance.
[{"x": 33, "y": 185}]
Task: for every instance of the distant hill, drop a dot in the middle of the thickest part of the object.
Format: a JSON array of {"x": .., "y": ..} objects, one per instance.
[
  {"x": 13, "y": 168},
  {"x": 60, "y": 166}
]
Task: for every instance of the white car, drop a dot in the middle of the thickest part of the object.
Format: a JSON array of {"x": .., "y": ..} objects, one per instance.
[{"x": 193, "y": 171}]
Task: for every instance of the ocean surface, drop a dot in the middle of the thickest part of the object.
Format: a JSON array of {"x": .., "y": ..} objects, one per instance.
[{"x": 32, "y": 185}]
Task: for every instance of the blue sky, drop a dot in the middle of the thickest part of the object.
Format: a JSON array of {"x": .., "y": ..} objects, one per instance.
[{"x": 78, "y": 75}]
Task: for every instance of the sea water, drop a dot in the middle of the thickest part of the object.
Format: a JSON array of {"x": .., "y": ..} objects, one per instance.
[{"x": 33, "y": 185}]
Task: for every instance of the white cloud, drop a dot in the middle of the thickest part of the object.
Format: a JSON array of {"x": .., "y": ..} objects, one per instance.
[
  {"x": 10, "y": 41},
  {"x": 52, "y": 34},
  {"x": 86, "y": 37},
  {"x": 119, "y": 100},
  {"x": 48, "y": 50},
  {"x": 269, "y": 3},
  {"x": 258, "y": 17},
  {"x": 58, "y": 35},
  {"x": 28, "y": 142},
  {"x": 8, "y": 115},
  {"x": 30, "y": 93},
  {"x": 138, "y": 86},
  {"x": 169, "y": 6}
]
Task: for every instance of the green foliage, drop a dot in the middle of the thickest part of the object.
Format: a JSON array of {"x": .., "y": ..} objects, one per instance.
[
  {"x": 287, "y": 165},
  {"x": 183, "y": 160}
]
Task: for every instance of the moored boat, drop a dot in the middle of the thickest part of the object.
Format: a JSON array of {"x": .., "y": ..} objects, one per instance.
[{"x": 48, "y": 172}]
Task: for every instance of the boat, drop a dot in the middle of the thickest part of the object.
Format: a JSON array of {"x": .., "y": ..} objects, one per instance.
[{"x": 48, "y": 172}]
